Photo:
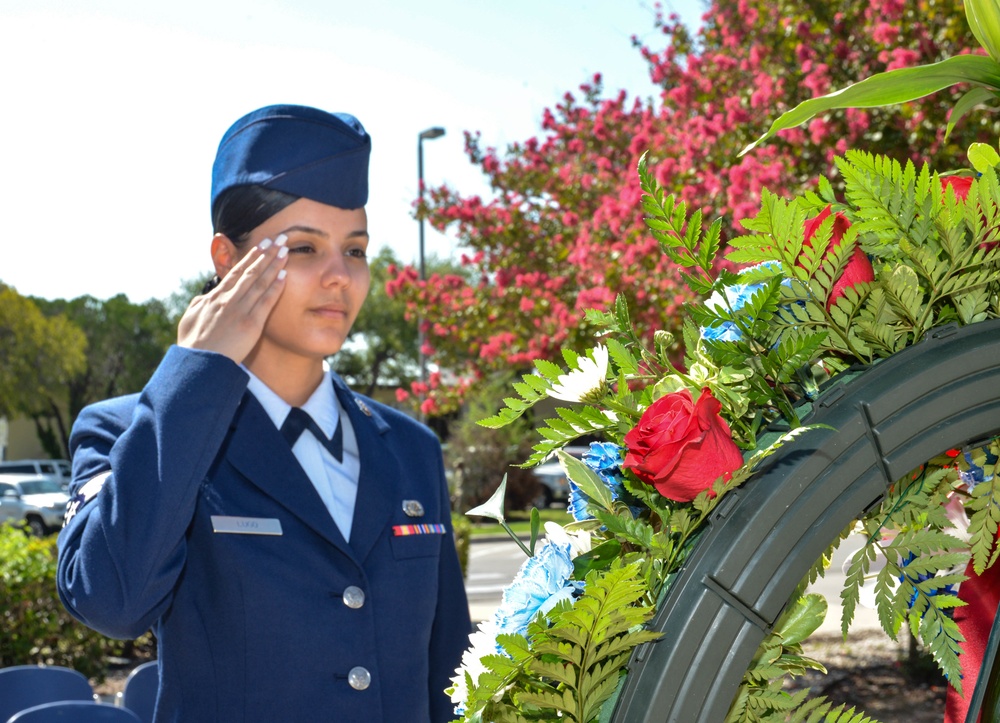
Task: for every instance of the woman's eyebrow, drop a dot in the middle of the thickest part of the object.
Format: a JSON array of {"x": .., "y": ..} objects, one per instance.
[{"x": 320, "y": 232}]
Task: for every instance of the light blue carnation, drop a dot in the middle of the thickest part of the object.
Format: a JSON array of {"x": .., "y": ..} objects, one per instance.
[
  {"x": 542, "y": 582},
  {"x": 605, "y": 458},
  {"x": 577, "y": 504},
  {"x": 723, "y": 331},
  {"x": 737, "y": 297}
]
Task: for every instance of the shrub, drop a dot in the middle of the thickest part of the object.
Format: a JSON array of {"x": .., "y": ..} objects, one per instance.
[
  {"x": 463, "y": 534},
  {"x": 34, "y": 626}
]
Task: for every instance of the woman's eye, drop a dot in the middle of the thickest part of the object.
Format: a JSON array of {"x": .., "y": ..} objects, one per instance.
[
  {"x": 358, "y": 253},
  {"x": 300, "y": 249}
]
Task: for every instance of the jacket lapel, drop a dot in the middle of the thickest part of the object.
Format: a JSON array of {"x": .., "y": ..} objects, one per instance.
[
  {"x": 262, "y": 455},
  {"x": 378, "y": 488}
]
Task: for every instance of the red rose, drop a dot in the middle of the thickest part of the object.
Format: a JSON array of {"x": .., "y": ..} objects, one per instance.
[
  {"x": 960, "y": 184},
  {"x": 858, "y": 269},
  {"x": 681, "y": 447}
]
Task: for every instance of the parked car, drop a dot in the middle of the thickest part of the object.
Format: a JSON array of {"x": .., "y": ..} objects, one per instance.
[
  {"x": 50, "y": 467},
  {"x": 552, "y": 479},
  {"x": 553, "y": 483},
  {"x": 38, "y": 501}
]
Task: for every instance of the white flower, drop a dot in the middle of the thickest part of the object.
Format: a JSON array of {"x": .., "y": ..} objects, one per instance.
[
  {"x": 579, "y": 541},
  {"x": 483, "y": 642},
  {"x": 588, "y": 382}
]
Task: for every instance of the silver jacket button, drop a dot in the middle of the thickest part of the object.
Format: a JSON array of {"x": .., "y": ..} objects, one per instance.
[
  {"x": 354, "y": 597},
  {"x": 359, "y": 678}
]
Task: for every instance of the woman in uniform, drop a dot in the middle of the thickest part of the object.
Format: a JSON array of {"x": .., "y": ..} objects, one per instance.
[{"x": 288, "y": 541}]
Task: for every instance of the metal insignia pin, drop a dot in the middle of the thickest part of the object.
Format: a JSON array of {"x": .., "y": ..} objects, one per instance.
[
  {"x": 363, "y": 407},
  {"x": 413, "y": 508}
]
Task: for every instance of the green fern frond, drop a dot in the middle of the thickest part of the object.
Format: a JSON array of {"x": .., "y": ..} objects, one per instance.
[{"x": 984, "y": 504}]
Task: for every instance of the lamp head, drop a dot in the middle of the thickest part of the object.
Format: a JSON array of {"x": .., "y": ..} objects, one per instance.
[{"x": 431, "y": 133}]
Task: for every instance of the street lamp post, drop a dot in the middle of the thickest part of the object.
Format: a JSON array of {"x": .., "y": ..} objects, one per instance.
[{"x": 429, "y": 134}]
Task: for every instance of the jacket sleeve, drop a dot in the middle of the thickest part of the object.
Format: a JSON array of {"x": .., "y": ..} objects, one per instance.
[
  {"x": 138, "y": 464},
  {"x": 452, "y": 625}
]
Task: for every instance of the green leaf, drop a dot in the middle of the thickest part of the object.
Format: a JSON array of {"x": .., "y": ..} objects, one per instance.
[
  {"x": 587, "y": 480},
  {"x": 984, "y": 21},
  {"x": 895, "y": 86},
  {"x": 598, "y": 558},
  {"x": 803, "y": 619},
  {"x": 966, "y": 103},
  {"x": 983, "y": 156}
]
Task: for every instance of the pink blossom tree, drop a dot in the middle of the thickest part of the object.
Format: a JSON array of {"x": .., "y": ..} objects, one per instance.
[{"x": 563, "y": 231}]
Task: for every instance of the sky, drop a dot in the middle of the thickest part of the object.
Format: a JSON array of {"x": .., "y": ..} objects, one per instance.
[{"x": 113, "y": 110}]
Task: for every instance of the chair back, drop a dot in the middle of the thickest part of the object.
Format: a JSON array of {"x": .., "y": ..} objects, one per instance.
[
  {"x": 75, "y": 711},
  {"x": 24, "y": 686},
  {"x": 141, "y": 688}
]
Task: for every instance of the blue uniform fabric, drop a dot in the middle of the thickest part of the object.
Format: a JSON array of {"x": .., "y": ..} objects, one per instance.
[{"x": 253, "y": 627}]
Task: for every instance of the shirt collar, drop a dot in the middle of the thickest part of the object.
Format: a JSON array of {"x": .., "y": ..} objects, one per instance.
[{"x": 322, "y": 404}]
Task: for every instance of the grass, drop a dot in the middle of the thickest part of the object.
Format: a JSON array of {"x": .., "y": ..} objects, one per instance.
[{"x": 519, "y": 521}]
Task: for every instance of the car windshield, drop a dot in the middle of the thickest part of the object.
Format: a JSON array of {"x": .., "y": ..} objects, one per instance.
[{"x": 39, "y": 487}]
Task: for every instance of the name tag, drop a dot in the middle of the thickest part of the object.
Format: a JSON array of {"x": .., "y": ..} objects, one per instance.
[{"x": 246, "y": 525}]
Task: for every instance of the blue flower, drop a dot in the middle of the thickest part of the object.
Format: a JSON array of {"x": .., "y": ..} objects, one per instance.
[
  {"x": 948, "y": 589},
  {"x": 542, "y": 581},
  {"x": 976, "y": 474},
  {"x": 737, "y": 297},
  {"x": 724, "y": 331},
  {"x": 577, "y": 504},
  {"x": 605, "y": 458}
]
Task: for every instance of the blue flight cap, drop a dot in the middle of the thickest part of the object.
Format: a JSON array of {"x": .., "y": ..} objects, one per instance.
[{"x": 299, "y": 150}]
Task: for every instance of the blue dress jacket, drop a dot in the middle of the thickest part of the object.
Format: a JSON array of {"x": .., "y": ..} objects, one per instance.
[{"x": 257, "y": 627}]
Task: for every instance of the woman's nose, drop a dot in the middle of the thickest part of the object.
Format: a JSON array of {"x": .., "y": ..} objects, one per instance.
[{"x": 335, "y": 271}]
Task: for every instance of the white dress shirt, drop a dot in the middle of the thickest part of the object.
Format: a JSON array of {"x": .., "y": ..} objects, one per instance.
[{"x": 336, "y": 482}]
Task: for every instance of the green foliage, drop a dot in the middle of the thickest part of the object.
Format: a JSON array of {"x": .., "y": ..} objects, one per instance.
[
  {"x": 938, "y": 262},
  {"x": 34, "y": 626},
  {"x": 40, "y": 353},
  {"x": 761, "y": 698},
  {"x": 921, "y": 564},
  {"x": 124, "y": 344},
  {"x": 463, "y": 535},
  {"x": 985, "y": 508},
  {"x": 479, "y": 456},
  {"x": 575, "y": 656}
]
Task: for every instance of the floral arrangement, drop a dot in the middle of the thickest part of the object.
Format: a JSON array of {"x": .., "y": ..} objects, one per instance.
[{"x": 827, "y": 284}]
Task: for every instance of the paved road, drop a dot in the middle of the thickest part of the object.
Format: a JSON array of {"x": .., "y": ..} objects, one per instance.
[{"x": 493, "y": 563}]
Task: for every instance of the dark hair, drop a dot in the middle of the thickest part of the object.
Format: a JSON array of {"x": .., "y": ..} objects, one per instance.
[{"x": 241, "y": 209}]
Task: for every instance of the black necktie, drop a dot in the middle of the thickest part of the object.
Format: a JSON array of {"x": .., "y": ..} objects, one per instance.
[{"x": 298, "y": 420}]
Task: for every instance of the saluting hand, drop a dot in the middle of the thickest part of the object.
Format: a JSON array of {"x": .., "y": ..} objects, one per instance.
[{"x": 230, "y": 318}]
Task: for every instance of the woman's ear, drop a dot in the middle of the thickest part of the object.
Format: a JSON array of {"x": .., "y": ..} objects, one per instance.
[{"x": 224, "y": 254}]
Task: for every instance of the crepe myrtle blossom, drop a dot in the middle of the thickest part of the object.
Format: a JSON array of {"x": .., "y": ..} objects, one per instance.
[
  {"x": 605, "y": 459},
  {"x": 737, "y": 296},
  {"x": 588, "y": 382},
  {"x": 542, "y": 582}
]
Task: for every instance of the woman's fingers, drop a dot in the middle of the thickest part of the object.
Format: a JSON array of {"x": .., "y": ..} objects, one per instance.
[{"x": 231, "y": 318}]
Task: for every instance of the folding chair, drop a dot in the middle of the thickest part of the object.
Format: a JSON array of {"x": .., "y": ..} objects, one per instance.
[
  {"x": 24, "y": 686},
  {"x": 75, "y": 711},
  {"x": 141, "y": 688}
]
